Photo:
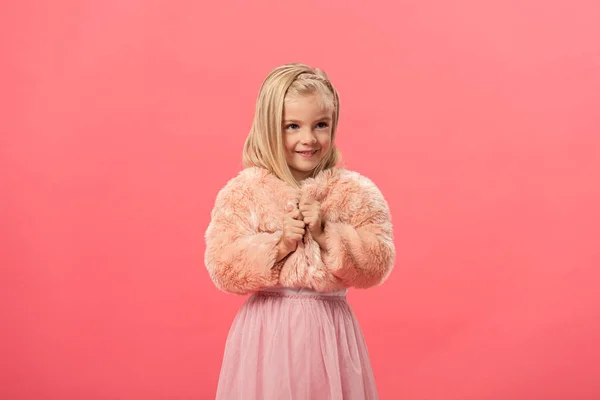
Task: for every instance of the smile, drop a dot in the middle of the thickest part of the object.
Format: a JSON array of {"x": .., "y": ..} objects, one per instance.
[{"x": 307, "y": 154}]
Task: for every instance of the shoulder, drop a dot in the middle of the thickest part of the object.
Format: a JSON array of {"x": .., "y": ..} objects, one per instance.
[
  {"x": 247, "y": 177},
  {"x": 244, "y": 185},
  {"x": 352, "y": 182},
  {"x": 355, "y": 179},
  {"x": 361, "y": 195}
]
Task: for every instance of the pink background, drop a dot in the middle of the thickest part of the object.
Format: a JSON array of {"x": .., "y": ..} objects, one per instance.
[{"x": 479, "y": 120}]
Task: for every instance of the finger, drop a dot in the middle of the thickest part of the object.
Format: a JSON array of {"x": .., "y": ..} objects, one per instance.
[
  {"x": 315, "y": 222},
  {"x": 297, "y": 236},
  {"x": 305, "y": 203},
  {"x": 298, "y": 223},
  {"x": 310, "y": 218},
  {"x": 312, "y": 207},
  {"x": 310, "y": 222},
  {"x": 310, "y": 210},
  {"x": 296, "y": 229},
  {"x": 290, "y": 207},
  {"x": 305, "y": 198},
  {"x": 295, "y": 214}
]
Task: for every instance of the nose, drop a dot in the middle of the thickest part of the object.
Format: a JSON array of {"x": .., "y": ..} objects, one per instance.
[{"x": 308, "y": 137}]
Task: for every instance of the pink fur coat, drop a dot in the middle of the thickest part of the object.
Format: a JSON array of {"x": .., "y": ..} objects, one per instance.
[{"x": 247, "y": 221}]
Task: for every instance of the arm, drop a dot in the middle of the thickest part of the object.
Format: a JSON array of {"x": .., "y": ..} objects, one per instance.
[
  {"x": 361, "y": 253},
  {"x": 239, "y": 258}
]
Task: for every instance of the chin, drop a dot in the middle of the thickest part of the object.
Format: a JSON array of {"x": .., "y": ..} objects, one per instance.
[
  {"x": 307, "y": 166},
  {"x": 304, "y": 169}
]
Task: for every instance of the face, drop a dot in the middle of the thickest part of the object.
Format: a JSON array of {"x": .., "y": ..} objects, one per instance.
[{"x": 306, "y": 133}]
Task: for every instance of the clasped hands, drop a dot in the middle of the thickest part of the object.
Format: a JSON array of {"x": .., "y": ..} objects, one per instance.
[{"x": 299, "y": 219}]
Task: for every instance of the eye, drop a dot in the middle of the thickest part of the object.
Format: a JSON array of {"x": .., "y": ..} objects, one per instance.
[
  {"x": 322, "y": 125},
  {"x": 291, "y": 126}
]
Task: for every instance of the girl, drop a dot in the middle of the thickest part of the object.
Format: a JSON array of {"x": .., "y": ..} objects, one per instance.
[{"x": 296, "y": 232}]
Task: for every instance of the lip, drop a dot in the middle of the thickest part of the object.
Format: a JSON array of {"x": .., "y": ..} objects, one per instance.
[{"x": 307, "y": 153}]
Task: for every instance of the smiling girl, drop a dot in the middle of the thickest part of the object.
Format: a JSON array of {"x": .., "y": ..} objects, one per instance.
[{"x": 294, "y": 231}]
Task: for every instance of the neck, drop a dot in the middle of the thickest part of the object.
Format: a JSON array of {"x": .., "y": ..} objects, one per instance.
[{"x": 301, "y": 176}]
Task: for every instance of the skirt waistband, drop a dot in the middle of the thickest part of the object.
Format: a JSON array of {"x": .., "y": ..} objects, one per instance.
[{"x": 303, "y": 292}]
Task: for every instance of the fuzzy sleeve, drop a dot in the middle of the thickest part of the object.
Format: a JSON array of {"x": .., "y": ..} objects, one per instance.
[
  {"x": 239, "y": 258},
  {"x": 361, "y": 253}
]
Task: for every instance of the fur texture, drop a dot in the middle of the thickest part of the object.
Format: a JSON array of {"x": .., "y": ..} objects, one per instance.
[{"x": 247, "y": 221}]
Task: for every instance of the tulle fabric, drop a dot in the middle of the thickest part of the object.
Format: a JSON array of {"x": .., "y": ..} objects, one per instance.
[{"x": 284, "y": 346}]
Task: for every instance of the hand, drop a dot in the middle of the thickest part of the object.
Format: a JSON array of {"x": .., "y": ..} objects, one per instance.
[
  {"x": 311, "y": 213},
  {"x": 293, "y": 232}
]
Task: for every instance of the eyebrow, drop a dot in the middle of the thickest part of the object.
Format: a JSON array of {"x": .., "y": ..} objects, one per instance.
[{"x": 324, "y": 118}]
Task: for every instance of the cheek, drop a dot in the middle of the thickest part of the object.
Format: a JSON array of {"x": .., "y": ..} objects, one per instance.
[
  {"x": 288, "y": 144},
  {"x": 325, "y": 141}
]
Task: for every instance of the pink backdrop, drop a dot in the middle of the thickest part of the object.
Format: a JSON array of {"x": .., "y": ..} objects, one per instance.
[{"x": 479, "y": 120}]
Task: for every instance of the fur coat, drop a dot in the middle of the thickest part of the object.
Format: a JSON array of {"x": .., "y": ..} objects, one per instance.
[{"x": 247, "y": 222}]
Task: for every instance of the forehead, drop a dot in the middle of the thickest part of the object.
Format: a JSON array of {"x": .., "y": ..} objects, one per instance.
[{"x": 308, "y": 106}]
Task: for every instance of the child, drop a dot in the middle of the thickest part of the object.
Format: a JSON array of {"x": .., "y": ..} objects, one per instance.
[{"x": 295, "y": 232}]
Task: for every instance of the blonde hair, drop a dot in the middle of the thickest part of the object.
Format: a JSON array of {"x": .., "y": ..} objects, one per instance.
[{"x": 264, "y": 145}]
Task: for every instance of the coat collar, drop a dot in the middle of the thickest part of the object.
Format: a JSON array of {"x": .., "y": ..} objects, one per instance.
[{"x": 316, "y": 188}]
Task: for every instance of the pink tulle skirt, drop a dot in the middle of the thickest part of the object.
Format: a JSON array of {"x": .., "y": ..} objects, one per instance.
[{"x": 292, "y": 346}]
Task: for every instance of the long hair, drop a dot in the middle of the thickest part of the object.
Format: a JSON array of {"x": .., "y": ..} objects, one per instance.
[{"x": 264, "y": 146}]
